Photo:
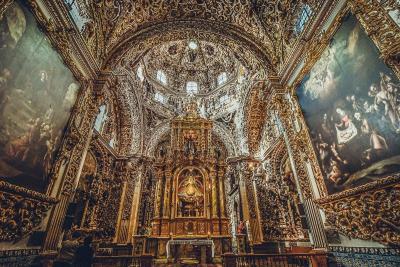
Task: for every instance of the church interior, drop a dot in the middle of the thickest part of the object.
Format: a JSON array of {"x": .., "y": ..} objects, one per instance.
[{"x": 200, "y": 133}]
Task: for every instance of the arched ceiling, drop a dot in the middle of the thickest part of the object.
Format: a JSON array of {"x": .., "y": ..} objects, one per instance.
[
  {"x": 265, "y": 27},
  {"x": 246, "y": 39}
]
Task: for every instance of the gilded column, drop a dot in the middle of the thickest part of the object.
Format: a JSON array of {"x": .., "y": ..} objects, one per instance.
[
  {"x": 214, "y": 212},
  {"x": 243, "y": 192},
  {"x": 221, "y": 175},
  {"x": 247, "y": 170},
  {"x": 158, "y": 193},
  {"x": 139, "y": 176},
  {"x": 74, "y": 149},
  {"x": 298, "y": 150},
  {"x": 167, "y": 193},
  {"x": 259, "y": 235},
  {"x": 126, "y": 203},
  {"x": 120, "y": 227}
]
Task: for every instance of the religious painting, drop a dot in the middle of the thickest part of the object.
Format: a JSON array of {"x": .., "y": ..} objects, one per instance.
[
  {"x": 351, "y": 105},
  {"x": 37, "y": 92}
]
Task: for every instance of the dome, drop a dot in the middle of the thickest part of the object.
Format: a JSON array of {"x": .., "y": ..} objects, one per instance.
[{"x": 191, "y": 66}]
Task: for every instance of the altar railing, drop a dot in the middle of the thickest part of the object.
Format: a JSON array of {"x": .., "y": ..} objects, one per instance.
[
  {"x": 363, "y": 256},
  {"x": 123, "y": 261},
  {"x": 18, "y": 257},
  {"x": 276, "y": 260}
]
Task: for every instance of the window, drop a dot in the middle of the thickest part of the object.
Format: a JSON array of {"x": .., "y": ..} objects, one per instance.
[
  {"x": 191, "y": 88},
  {"x": 304, "y": 16},
  {"x": 222, "y": 78},
  {"x": 223, "y": 99},
  {"x": 101, "y": 118},
  {"x": 192, "y": 45},
  {"x": 75, "y": 13},
  {"x": 161, "y": 77},
  {"x": 112, "y": 141},
  {"x": 139, "y": 73},
  {"x": 159, "y": 97}
]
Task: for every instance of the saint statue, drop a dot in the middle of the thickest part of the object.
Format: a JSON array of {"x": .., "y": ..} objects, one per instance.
[{"x": 191, "y": 197}]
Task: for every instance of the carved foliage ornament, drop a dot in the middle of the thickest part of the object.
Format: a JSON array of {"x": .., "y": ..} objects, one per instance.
[
  {"x": 21, "y": 211},
  {"x": 255, "y": 116},
  {"x": 371, "y": 215}
]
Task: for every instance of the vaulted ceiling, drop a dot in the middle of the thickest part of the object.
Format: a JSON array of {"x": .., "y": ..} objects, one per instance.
[
  {"x": 266, "y": 27},
  {"x": 248, "y": 40}
]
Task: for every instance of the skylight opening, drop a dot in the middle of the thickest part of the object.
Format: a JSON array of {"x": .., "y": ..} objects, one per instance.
[
  {"x": 161, "y": 77},
  {"x": 222, "y": 78},
  {"x": 305, "y": 15},
  {"x": 192, "y": 88}
]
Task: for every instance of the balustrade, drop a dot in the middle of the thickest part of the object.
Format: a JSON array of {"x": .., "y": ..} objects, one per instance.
[
  {"x": 122, "y": 261},
  {"x": 276, "y": 260}
]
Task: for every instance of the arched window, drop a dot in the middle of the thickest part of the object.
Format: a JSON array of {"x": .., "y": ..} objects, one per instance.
[
  {"x": 222, "y": 78},
  {"x": 101, "y": 118},
  {"x": 113, "y": 140},
  {"x": 159, "y": 97},
  {"x": 161, "y": 77},
  {"x": 301, "y": 21},
  {"x": 139, "y": 73},
  {"x": 192, "y": 88}
]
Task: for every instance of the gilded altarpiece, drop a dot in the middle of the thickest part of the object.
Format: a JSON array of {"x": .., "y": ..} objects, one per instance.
[{"x": 190, "y": 194}]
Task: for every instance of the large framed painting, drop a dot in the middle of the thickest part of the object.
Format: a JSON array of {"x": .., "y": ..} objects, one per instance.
[
  {"x": 37, "y": 92},
  {"x": 351, "y": 104}
]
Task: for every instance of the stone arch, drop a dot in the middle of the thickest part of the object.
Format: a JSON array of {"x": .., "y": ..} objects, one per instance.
[
  {"x": 135, "y": 42},
  {"x": 278, "y": 155},
  {"x": 128, "y": 111}
]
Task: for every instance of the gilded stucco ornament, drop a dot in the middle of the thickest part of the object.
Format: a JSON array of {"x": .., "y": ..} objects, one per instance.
[
  {"x": 258, "y": 34},
  {"x": 4, "y": 4},
  {"x": 21, "y": 211},
  {"x": 370, "y": 214},
  {"x": 255, "y": 116}
]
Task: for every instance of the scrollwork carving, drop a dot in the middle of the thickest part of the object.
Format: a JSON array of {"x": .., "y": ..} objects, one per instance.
[
  {"x": 370, "y": 215},
  {"x": 21, "y": 211}
]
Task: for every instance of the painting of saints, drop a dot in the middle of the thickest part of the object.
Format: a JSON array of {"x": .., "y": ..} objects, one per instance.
[
  {"x": 37, "y": 92},
  {"x": 357, "y": 137}
]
